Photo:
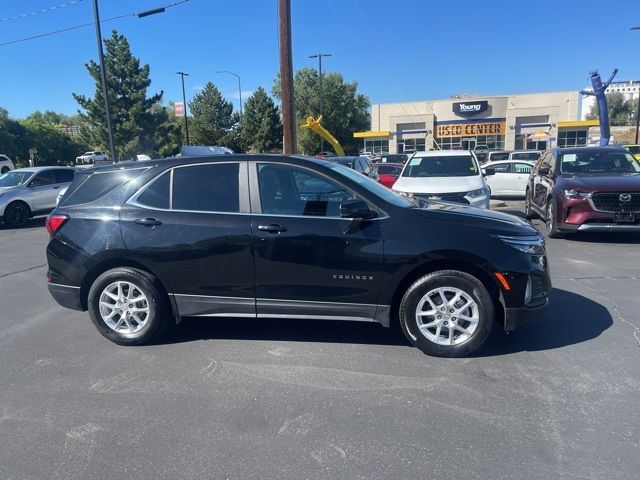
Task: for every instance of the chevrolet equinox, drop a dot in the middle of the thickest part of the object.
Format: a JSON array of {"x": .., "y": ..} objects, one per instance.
[{"x": 141, "y": 245}]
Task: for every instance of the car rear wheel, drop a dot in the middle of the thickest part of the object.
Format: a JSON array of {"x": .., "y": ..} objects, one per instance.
[
  {"x": 447, "y": 313},
  {"x": 528, "y": 211},
  {"x": 128, "y": 306},
  {"x": 17, "y": 214},
  {"x": 552, "y": 221}
]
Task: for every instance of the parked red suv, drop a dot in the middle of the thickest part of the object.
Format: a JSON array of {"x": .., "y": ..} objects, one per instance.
[
  {"x": 389, "y": 173},
  {"x": 586, "y": 188}
]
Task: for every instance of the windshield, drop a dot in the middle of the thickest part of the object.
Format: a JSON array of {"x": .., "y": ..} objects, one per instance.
[
  {"x": 525, "y": 156},
  {"x": 371, "y": 185},
  {"x": 15, "y": 178},
  {"x": 635, "y": 149},
  {"x": 598, "y": 162},
  {"x": 87, "y": 153},
  {"x": 444, "y": 166},
  {"x": 499, "y": 156}
]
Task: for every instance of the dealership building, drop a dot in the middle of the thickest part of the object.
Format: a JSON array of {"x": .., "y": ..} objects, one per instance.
[{"x": 533, "y": 121}]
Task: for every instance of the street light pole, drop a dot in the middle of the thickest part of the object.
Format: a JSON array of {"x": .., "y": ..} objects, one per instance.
[
  {"x": 103, "y": 76},
  {"x": 239, "y": 88},
  {"x": 637, "y": 111},
  {"x": 184, "y": 106},
  {"x": 319, "y": 57}
]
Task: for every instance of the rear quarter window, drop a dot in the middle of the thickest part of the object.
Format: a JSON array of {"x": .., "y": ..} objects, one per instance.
[{"x": 97, "y": 185}]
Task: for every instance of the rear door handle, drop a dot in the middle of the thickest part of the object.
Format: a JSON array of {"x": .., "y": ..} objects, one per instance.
[
  {"x": 273, "y": 228},
  {"x": 148, "y": 222}
]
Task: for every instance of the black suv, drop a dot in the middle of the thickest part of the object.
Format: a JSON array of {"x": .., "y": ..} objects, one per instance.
[{"x": 140, "y": 245}]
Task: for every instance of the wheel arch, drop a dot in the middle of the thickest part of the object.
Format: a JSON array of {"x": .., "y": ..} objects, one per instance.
[
  {"x": 111, "y": 263},
  {"x": 425, "y": 268}
]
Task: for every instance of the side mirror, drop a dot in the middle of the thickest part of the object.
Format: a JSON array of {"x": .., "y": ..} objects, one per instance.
[
  {"x": 356, "y": 209},
  {"x": 544, "y": 171},
  {"x": 489, "y": 171}
]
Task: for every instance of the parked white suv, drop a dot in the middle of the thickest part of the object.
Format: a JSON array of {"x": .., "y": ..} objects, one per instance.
[
  {"x": 91, "y": 157},
  {"x": 445, "y": 175},
  {"x": 5, "y": 164}
]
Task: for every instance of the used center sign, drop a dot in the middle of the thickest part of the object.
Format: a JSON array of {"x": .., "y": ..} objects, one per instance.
[
  {"x": 471, "y": 129},
  {"x": 470, "y": 108}
]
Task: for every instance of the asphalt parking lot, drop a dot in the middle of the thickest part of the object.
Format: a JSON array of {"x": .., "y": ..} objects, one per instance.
[{"x": 243, "y": 399}]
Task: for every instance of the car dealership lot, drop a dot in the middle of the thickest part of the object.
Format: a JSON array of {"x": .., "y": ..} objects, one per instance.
[{"x": 262, "y": 399}]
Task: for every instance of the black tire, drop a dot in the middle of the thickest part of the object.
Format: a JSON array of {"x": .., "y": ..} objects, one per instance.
[
  {"x": 4, "y": 170},
  {"x": 17, "y": 214},
  {"x": 552, "y": 221},
  {"x": 528, "y": 211},
  {"x": 472, "y": 287},
  {"x": 159, "y": 318}
]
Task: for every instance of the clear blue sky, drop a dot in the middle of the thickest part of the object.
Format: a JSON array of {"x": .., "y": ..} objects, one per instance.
[{"x": 397, "y": 50}]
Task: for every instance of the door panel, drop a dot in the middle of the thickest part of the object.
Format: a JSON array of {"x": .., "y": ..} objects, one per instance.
[
  {"x": 308, "y": 260},
  {"x": 502, "y": 182},
  {"x": 522, "y": 172},
  {"x": 204, "y": 257}
]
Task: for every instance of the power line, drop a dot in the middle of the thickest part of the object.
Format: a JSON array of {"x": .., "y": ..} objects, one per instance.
[
  {"x": 42, "y": 10},
  {"x": 75, "y": 27}
]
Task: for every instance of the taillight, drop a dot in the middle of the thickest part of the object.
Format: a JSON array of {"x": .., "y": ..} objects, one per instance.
[{"x": 54, "y": 222}]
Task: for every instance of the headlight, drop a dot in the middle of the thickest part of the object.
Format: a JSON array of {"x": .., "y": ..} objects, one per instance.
[
  {"x": 532, "y": 244},
  {"x": 477, "y": 193},
  {"x": 575, "y": 194}
]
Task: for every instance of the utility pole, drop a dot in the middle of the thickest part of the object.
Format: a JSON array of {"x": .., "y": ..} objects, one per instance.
[
  {"x": 319, "y": 57},
  {"x": 286, "y": 77},
  {"x": 103, "y": 75},
  {"x": 184, "y": 109}
]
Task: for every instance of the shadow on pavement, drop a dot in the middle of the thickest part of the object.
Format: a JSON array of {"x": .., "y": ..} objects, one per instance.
[
  {"x": 287, "y": 330},
  {"x": 32, "y": 223},
  {"x": 570, "y": 319}
]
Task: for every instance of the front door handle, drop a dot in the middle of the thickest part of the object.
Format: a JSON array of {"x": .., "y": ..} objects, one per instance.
[
  {"x": 273, "y": 228},
  {"x": 148, "y": 222},
  {"x": 56, "y": 187}
]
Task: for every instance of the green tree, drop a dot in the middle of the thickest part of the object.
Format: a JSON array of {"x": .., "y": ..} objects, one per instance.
[
  {"x": 345, "y": 110},
  {"x": 261, "y": 126},
  {"x": 136, "y": 117},
  {"x": 212, "y": 119},
  {"x": 12, "y": 137},
  {"x": 622, "y": 112},
  {"x": 53, "y": 145}
]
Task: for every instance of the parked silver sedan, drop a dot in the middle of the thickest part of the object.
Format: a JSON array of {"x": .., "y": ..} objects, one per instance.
[{"x": 27, "y": 192}]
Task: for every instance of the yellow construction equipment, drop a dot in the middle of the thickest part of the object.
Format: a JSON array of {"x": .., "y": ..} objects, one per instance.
[{"x": 314, "y": 125}]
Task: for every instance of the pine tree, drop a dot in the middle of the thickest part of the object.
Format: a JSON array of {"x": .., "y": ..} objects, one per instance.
[
  {"x": 261, "y": 127},
  {"x": 212, "y": 119},
  {"x": 136, "y": 118}
]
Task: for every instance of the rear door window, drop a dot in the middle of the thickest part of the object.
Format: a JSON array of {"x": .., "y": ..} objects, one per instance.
[
  {"x": 501, "y": 167},
  {"x": 64, "y": 175},
  {"x": 207, "y": 188},
  {"x": 523, "y": 168}
]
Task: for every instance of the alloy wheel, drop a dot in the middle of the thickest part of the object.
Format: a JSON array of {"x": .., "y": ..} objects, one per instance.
[
  {"x": 124, "y": 307},
  {"x": 447, "y": 316}
]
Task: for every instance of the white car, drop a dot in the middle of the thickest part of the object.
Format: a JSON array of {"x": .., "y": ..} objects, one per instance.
[
  {"x": 91, "y": 157},
  {"x": 510, "y": 177},
  {"x": 445, "y": 175},
  {"x": 5, "y": 164}
]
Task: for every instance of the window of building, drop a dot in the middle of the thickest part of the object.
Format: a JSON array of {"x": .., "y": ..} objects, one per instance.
[
  {"x": 572, "y": 138},
  {"x": 411, "y": 145},
  {"x": 288, "y": 190},
  {"x": 523, "y": 144},
  {"x": 493, "y": 142},
  {"x": 376, "y": 146},
  {"x": 207, "y": 188}
]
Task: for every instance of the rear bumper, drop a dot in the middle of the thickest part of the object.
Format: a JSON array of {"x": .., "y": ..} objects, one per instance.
[
  {"x": 66, "y": 295},
  {"x": 515, "y": 317}
]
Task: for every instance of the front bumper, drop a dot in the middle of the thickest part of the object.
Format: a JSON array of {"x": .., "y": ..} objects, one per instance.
[
  {"x": 480, "y": 202},
  {"x": 515, "y": 317},
  {"x": 579, "y": 215},
  {"x": 66, "y": 295}
]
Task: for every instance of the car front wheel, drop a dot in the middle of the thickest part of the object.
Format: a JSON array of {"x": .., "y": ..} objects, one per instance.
[
  {"x": 447, "y": 313},
  {"x": 16, "y": 214},
  {"x": 552, "y": 220},
  {"x": 128, "y": 306}
]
